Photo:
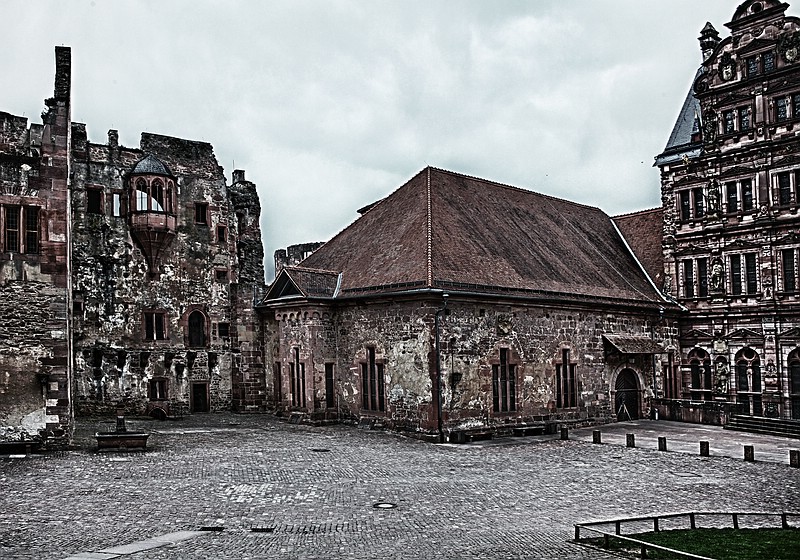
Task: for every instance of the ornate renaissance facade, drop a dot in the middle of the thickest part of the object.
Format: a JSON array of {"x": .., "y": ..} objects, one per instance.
[{"x": 730, "y": 177}]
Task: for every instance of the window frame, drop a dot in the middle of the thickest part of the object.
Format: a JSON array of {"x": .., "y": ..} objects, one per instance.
[
  {"x": 154, "y": 325},
  {"x": 504, "y": 383},
  {"x": 566, "y": 381},
  {"x": 373, "y": 382}
]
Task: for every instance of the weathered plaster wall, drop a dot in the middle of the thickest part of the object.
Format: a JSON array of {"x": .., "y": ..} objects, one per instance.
[{"x": 471, "y": 336}]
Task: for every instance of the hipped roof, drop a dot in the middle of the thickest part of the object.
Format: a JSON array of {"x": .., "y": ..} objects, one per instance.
[{"x": 444, "y": 230}]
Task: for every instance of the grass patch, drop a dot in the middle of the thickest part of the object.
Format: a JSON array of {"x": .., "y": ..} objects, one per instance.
[{"x": 723, "y": 544}]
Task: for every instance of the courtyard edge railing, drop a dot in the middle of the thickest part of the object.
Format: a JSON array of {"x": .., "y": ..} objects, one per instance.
[{"x": 656, "y": 520}]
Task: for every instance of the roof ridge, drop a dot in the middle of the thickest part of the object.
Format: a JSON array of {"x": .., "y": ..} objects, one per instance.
[
  {"x": 638, "y": 212},
  {"x": 309, "y": 269},
  {"x": 513, "y": 188},
  {"x": 429, "y": 226}
]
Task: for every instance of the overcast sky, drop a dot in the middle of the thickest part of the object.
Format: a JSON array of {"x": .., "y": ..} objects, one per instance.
[{"x": 329, "y": 105}]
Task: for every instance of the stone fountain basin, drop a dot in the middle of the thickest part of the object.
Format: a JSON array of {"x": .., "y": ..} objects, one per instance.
[{"x": 121, "y": 440}]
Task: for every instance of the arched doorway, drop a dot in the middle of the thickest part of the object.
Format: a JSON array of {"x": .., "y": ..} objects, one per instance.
[{"x": 626, "y": 399}]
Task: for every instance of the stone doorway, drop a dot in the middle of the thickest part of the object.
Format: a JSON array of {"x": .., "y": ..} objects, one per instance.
[
  {"x": 626, "y": 399},
  {"x": 199, "y": 397}
]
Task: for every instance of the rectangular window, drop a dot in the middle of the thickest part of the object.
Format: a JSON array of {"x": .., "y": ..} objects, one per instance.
[
  {"x": 751, "y": 273},
  {"x": 116, "y": 203},
  {"x": 744, "y": 118},
  {"x": 31, "y": 230},
  {"x": 781, "y": 109},
  {"x": 729, "y": 121},
  {"x": 372, "y": 384},
  {"x": 732, "y": 194},
  {"x": 158, "y": 389},
  {"x": 702, "y": 277},
  {"x": 796, "y": 106},
  {"x": 94, "y": 201},
  {"x": 769, "y": 62},
  {"x": 752, "y": 66},
  {"x": 12, "y": 229},
  {"x": 736, "y": 274},
  {"x": 747, "y": 195},
  {"x": 699, "y": 205},
  {"x": 686, "y": 211},
  {"x": 329, "y": 400},
  {"x": 222, "y": 234},
  {"x": 201, "y": 213},
  {"x": 154, "y": 325},
  {"x": 223, "y": 330},
  {"x": 789, "y": 275},
  {"x": 221, "y": 275},
  {"x": 784, "y": 189},
  {"x": 566, "y": 382},
  {"x": 688, "y": 278},
  {"x": 504, "y": 384},
  {"x": 297, "y": 370}
]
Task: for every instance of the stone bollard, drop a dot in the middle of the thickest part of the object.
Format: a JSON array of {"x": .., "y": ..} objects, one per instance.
[
  {"x": 704, "y": 449},
  {"x": 662, "y": 444},
  {"x": 749, "y": 453},
  {"x": 630, "y": 440},
  {"x": 564, "y": 433},
  {"x": 596, "y": 436},
  {"x": 794, "y": 458}
]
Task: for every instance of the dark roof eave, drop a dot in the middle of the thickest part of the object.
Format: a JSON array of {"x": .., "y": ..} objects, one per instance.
[{"x": 543, "y": 297}]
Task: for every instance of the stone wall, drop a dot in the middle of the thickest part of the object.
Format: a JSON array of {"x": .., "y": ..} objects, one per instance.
[
  {"x": 34, "y": 334},
  {"x": 214, "y": 268},
  {"x": 402, "y": 334}
]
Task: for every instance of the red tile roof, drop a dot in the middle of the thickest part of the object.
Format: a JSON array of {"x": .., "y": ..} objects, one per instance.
[
  {"x": 451, "y": 231},
  {"x": 643, "y": 232}
]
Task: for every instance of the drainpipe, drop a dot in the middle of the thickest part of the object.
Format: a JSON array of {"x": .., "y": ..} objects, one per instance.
[{"x": 439, "y": 311}]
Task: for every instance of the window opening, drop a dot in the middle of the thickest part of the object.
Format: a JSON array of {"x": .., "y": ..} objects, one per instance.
[
  {"x": 751, "y": 273},
  {"x": 31, "y": 230},
  {"x": 329, "y": 400},
  {"x": 201, "y": 213},
  {"x": 154, "y": 325},
  {"x": 566, "y": 382},
  {"x": 197, "y": 329},
  {"x": 297, "y": 370},
  {"x": 733, "y": 197},
  {"x": 94, "y": 201},
  {"x": 700, "y": 368},
  {"x": 372, "y": 383},
  {"x": 789, "y": 274},
  {"x": 504, "y": 384}
]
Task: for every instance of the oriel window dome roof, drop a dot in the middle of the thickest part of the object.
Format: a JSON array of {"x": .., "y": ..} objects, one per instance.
[{"x": 150, "y": 165}]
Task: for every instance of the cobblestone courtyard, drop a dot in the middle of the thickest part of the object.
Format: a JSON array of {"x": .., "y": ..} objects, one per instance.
[{"x": 286, "y": 491}]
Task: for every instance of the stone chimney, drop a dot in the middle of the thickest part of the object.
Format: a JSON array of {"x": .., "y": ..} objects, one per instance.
[{"x": 238, "y": 176}]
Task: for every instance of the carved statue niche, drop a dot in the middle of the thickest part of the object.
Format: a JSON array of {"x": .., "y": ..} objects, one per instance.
[
  {"x": 713, "y": 198},
  {"x": 716, "y": 282}
]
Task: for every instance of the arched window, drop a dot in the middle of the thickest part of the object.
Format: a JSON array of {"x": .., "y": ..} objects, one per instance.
[
  {"x": 169, "y": 205},
  {"x": 157, "y": 196},
  {"x": 197, "y": 329},
  {"x": 794, "y": 382},
  {"x": 141, "y": 195},
  {"x": 700, "y": 366},
  {"x": 748, "y": 381}
]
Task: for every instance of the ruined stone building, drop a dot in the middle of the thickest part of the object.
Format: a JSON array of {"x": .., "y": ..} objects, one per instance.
[
  {"x": 548, "y": 315},
  {"x": 127, "y": 275},
  {"x": 730, "y": 177},
  {"x": 540, "y": 309}
]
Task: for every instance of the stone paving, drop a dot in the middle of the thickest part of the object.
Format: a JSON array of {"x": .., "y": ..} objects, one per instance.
[{"x": 253, "y": 487}]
